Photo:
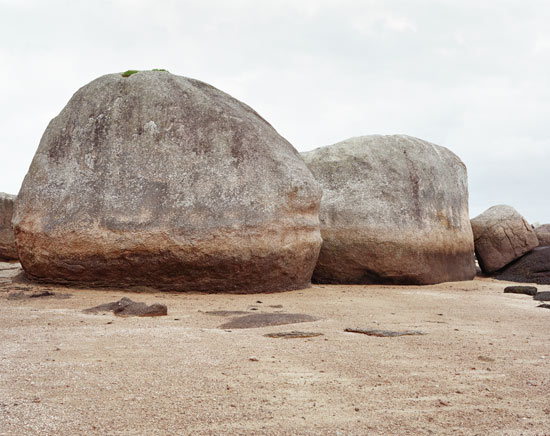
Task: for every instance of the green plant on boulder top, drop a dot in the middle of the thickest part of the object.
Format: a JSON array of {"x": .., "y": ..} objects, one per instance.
[{"x": 129, "y": 73}]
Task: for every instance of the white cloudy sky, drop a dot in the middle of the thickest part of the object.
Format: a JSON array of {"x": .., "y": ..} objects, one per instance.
[{"x": 473, "y": 76}]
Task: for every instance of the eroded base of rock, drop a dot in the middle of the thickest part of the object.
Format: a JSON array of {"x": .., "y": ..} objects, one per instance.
[{"x": 533, "y": 267}]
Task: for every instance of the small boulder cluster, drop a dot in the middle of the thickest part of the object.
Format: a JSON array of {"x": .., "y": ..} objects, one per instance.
[
  {"x": 509, "y": 248},
  {"x": 152, "y": 179}
]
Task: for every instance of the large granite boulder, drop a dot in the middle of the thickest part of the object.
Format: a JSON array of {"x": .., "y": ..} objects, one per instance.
[
  {"x": 501, "y": 235},
  {"x": 7, "y": 240},
  {"x": 533, "y": 267},
  {"x": 394, "y": 210},
  {"x": 543, "y": 235},
  {"x": 160, "y": 180}
]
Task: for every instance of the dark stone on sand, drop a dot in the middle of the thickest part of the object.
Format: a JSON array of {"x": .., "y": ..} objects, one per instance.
[
  {"x": 255, "y": 320},
  {"x": 542, "y": 296},
  {"x": 385, "y": 333},
  {"x": 293, "y": 335},
  {"x": 527, "y": 290},
  {"x": 544, "y": 306},
  {"x": 41, "y": 294},
  {"x": 127, "y": 307}
]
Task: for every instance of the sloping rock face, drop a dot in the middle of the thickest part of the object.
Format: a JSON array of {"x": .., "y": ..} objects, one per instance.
[
  {"x": 394, "y": 210},
  {"x": 7, "y": 240},
  {"x": 164, "y": 181},
  {"x": 533, "y": 267},
  {"x": 543, "y": 235},
  {"x": 501, "y": 235}
]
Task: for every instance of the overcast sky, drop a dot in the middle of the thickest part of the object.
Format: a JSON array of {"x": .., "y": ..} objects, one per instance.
[{"x": 473, "y": 76}]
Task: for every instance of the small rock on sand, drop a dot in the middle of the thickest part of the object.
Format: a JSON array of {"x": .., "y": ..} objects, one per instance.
[
  {"x": 255, "y": 320},
  {"x": 293, "y": 335},
  {"x": 385, "y": 333},
  {"x": 127, "y": 307},
  {"x": 527, "y": 290}
]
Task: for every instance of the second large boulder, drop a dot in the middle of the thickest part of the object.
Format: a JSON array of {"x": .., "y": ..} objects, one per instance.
[
  {"x": 153, "y": 179},
  {"x": 394, "y": 210}
]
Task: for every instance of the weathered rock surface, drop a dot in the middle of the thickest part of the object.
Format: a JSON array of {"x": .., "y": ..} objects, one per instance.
[
  {"x": 7, "y": 240},
  {"x": 164, "y": 181},
  {"x": 533, "y": 267},
  {"x": 543, "y": 235},
  {"x": 501, "y": 235},
  {"x": 394, "y": 210}
]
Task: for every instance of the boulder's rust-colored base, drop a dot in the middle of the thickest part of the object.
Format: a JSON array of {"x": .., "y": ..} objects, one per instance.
[
  {"x": 353, "y": 257},
  {"x": 232, "y": 264}
]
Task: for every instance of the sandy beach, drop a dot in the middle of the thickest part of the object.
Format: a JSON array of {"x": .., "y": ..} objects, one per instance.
[{"x": 481, "y": 368}]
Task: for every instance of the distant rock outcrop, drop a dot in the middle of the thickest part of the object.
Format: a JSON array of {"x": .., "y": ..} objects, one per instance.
[
  {"x": 159, "y": 180},
  {"x": 543, "y": 235},
  {"x": 394, "y": 210},
  {"x": 501, "y": 235},
  {"x": 7, "y": 240},
  {"x": 533, "y": 267}
]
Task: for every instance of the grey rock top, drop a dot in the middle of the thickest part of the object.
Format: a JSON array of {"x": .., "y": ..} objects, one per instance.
[
  {"x": 162, "y": 169},
  {"x": 142, "y": 160},
  {"x": 406, "y": 177}
]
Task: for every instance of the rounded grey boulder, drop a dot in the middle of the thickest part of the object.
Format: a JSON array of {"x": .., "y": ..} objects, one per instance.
[
  {"x": 394, "y": 210},
  {"x": 8, "y": 250},
  {"x": 164, "y": 181},
  {"x": 501, "y": 235}
]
